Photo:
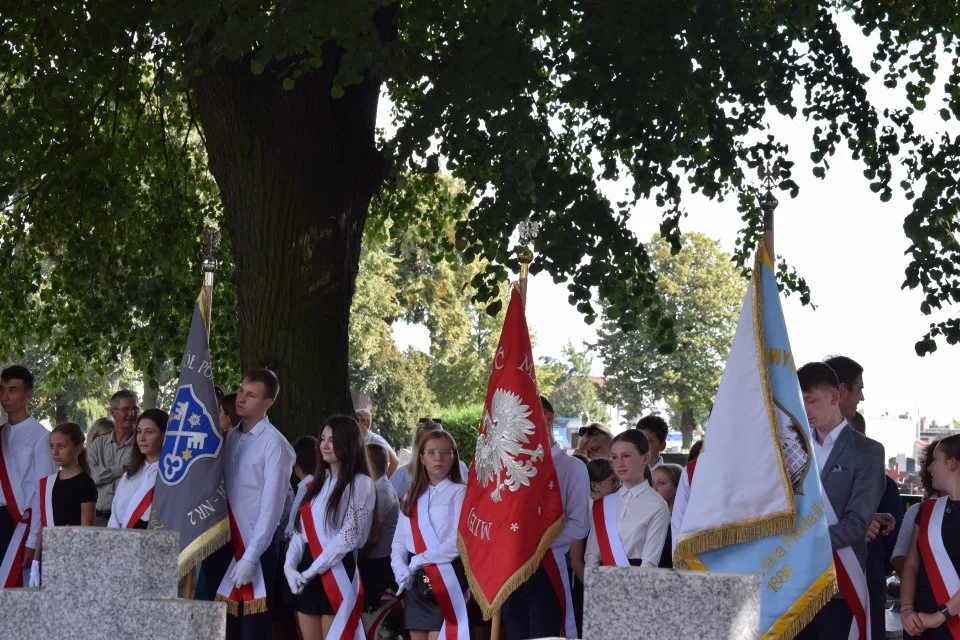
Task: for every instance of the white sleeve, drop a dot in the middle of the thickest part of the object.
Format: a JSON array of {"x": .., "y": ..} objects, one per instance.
[
  {"x": 399, "y": 556},
  {"x": 902, "y": 547},
  {"x": 277, "y": 464},
  {"x": 294, "y": 550},
  {"x": 355, "y": 527},
  {"x": 42, "y": 467},
  {"x": 576, "y": 506},
  {"x": 679, "y": 507},
  {"x": 591, "y": 554},
  {"x": 117, "y": 509},
  {"x": 656, "y": 536}
]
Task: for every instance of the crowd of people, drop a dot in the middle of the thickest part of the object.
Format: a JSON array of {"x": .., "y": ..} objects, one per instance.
[{"x": 323, "y": 527}]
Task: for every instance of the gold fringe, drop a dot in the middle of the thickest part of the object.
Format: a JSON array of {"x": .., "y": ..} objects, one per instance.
[
  {"x": 522, "y": 574},
  {"x": 806, "y": 607},
  {"x": 202, "y": 546},
  {"x": 733, "y": 533},
  {"x": 233, "y": 607},
  {"x": 250, "y": 607}
]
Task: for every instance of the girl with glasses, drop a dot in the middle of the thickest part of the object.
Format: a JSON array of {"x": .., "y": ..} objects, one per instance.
[
  {"x": 603, "y": 481},
  {"x": 425, "y": 560}
]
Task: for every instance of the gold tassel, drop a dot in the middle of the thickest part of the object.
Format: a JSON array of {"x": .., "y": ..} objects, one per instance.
[
  {"x": 522, "y": 574},
  {"x": 733, "y": 533},
  {"x": 255, "y": 606},
  {"x": 202, "y": 546},
  {"x": 805, "y": 608},
  {"x": 232, "y": 605}
]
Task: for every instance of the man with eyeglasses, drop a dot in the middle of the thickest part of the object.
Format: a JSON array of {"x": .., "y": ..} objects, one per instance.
[
  {"x": 109, "y": 455},
  {"x": 534, "y": 609}
]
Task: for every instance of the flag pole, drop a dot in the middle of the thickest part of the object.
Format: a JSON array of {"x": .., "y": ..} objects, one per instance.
[
  {"x": 208, "y": 266},
  {"x": 528, "y": 232},
  {"x": 769, "y": 174}
]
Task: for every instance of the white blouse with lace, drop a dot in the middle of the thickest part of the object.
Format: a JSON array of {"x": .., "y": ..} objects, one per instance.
[{"x": 352, "y": 528}]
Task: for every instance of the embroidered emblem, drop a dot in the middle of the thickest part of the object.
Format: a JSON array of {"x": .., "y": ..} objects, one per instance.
[{"x": 507, "y": 429}]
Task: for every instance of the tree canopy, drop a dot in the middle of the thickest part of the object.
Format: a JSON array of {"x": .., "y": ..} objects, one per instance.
[
  {"x": 703, "y": 292},
  {"x": 112, "y": 112}
]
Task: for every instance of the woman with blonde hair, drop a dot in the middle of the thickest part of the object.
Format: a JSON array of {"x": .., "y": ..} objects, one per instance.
[
  {"x": 100, "y": 427},
  {"x": 424, "y": 557},
  {"x": 402, "y": 477}
]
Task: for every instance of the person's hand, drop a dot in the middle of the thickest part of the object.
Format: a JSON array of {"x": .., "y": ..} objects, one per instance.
[
  {"x": 911, "y": 622},
  {"x": 887, "y": 523},
  {"x": 291, "y": 574},
  {"x": 416, "y": 562},
  {"x": 873, "y": 530},
  {"x": 242, "y": 573},
  {"x": 34, "y": 574},
  {"x": 931, "y": 620},
  {"x": 301, "y": 581},
  {"x": 403, "y": 580}
]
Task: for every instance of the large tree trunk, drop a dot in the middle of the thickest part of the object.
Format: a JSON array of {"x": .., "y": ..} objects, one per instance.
[
  {"x": 296, "y": 171},
  {"x": 686, "y": 427}
]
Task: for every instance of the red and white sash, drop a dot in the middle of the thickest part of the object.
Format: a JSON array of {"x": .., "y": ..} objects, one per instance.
[
  {"x": 11, "y": 568},
  {"x": 142, "y": 499},
  {"x": 690, "y": 468},
  {"x": 345, "y": 595},
  {"x": 253, "y": 595},
  {"x": 852, "y": 582},
  {"x": 608, "y": 538},
  {"x": 940, "y": 570},
  {"x": 443, "y": 579},
  {"x": 46, "y": 500},
  {"x": 555, "y": 564}
]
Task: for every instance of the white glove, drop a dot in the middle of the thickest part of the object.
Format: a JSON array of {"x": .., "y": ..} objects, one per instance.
[
  {"x": 242, "y": 573},
  {"x": 403, "y": 578},
  {"x": 300, "y": 581},
  {"x": 416, "y": 562},
  {"x": 34, "y": 574},
  {"x": 292, "y": 574}
]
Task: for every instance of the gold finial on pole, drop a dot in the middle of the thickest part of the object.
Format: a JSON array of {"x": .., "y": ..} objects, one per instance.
[
  {"x": 528, "y": 232},
  {"x": 769, "y": 175},
  {"x": 209, "y": 264}
]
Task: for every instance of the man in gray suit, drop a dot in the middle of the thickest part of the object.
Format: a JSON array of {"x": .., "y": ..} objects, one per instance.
[{"x": 851, "y": 470}]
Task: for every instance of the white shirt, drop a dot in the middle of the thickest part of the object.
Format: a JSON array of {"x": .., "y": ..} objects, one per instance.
[
  {"x": 354, "y": 517},
  {"x": 445, "y": 502},
  {"x": 575, "y": 495},
  {"x": 403, "y": 476},
  {"x": 658, "y": 463},
  {"x": 642, "y": 521},
  {"x": 126, "y": 489},
  {"x": 388, "y": 510},
  {"x": 822, "y": 451},
  {"x": 256, "y": 472},
  {"x": 679, "y": 506},
  {"x": 26, "y": 450},
  {"x": 902, "y": 547},
  {"x": 295, "y": 507}
]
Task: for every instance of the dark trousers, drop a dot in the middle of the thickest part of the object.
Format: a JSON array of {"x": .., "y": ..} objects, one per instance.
[
  {"x": 832, "y": 623},
  {"x": 259, "y": 625},
  {"x": 6, "y": 530},
  {"x": 877, "y": 590},
  {"x": 376, "y": 575},
  {"x": 532, "y": 611}
]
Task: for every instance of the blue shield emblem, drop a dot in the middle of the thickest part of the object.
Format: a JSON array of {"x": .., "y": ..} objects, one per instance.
[{"x": 192, "y": 434}]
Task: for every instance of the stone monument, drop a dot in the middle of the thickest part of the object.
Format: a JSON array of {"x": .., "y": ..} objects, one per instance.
[
  {"x": 108, "y": 583},
  {"x": 622, "y": 603}
]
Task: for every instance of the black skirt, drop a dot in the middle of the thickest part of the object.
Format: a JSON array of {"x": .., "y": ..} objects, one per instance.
[
  {"x": 313, "y": 600},
  {"x": 421, "y": 611}
]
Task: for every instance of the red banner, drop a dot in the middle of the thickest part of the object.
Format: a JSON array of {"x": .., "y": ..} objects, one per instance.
[{"x": 512, "y": 510}]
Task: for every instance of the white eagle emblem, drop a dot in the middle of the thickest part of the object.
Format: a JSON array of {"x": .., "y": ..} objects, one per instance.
[{"x": 507, "y": 430}]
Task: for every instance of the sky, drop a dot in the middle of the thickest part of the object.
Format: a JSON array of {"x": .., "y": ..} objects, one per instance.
[{"x": 848, "y": 246}]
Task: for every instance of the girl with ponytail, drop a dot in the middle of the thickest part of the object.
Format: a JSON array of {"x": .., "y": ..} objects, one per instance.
[
  {"x": 629, "y": 527},
  {"x": 69, "y": 496}
]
